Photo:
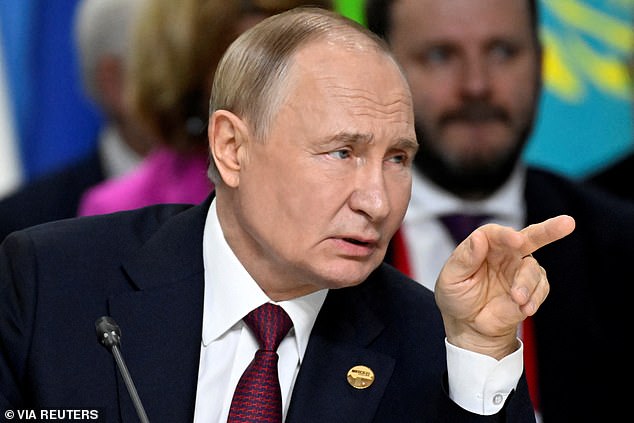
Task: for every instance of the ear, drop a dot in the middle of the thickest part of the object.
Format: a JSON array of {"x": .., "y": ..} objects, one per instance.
[{"x": 228, "y": 135}]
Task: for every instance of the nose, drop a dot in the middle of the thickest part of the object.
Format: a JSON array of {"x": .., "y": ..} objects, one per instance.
[
  {"x": 370, "y": 196},
  {"x": 475, "y": 77}
]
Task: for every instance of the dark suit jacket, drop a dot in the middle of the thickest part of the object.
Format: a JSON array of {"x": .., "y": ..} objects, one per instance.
[
  {"x": 617, "y": 177},
  {"x": 50, "y": 197},
  {"x": 580, "y": 327},
  {"x": 144, "y": 268}
]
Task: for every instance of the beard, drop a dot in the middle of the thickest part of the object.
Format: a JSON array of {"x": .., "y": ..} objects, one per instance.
[{"x": 480, "y": 177}]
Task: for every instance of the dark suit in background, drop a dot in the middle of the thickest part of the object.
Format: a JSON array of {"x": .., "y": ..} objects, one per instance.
[
  {"x": 616, "y": 178},
  {"x": 51, "y": 197},
  {"x": 584, "y": 309}
]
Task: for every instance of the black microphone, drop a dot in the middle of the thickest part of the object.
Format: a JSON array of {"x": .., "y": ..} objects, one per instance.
[{"x": 109, "y": 335}]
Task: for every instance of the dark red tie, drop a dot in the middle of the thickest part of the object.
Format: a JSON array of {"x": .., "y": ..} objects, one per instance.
[{"x": 258, "y": 397}]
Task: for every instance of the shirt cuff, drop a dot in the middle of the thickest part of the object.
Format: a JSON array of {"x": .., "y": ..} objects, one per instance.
[{"x": 480, "y": 383}]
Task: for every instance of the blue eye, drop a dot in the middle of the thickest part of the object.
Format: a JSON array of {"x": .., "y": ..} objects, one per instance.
[
  {"x": 437, "y": 55},
  {"x": 340, "y": 154},
  {"x": 503, "y": 51},
  {"x": 401, "y": 158}
]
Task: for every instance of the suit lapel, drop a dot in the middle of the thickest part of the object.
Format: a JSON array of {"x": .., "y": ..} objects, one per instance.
[
  {"x": 166, "y": 309},
  {"x": 339, "y": 341}
]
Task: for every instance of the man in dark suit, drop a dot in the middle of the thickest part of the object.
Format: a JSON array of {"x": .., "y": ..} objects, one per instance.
[
  {"x": 102, "y": 30},
  {"x": 615, "y": 178},
  {"x": 474, "y": 68},
  {"x": 312, "y": 138}
]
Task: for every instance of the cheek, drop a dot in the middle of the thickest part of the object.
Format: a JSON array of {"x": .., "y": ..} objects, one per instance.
[
  {"x": 298, "y": 193},
  {"x": 315, "y": 192},
  {"x": 399, "y": 190},
  {"x": 526, "y": 107},
  {"x": 512, "y": 88}
]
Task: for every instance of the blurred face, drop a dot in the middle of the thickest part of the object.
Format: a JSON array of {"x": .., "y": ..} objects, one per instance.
[
  {"x": 473, "y": 68},
  {"x": 318, "y": 201}
]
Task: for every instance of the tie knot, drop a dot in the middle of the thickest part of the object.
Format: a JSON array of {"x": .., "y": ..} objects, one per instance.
[
  {"x": 269, "y": 324},
  {"x": 461, "y": 225}
]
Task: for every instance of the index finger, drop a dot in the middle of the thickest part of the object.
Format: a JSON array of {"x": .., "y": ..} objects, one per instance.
[{"x": 543, "y": 233}]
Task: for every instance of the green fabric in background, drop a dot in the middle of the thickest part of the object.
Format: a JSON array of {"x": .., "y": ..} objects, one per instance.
[{"x": 352, "y": 9}]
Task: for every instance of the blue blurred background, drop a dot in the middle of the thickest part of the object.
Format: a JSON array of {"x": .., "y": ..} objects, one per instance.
[{"x": 585, "y": 119}]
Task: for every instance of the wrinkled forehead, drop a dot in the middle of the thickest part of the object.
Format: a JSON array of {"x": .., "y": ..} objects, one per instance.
[
  {"x": 349, "y": 67},
  {"x": 353, "y": 87}
]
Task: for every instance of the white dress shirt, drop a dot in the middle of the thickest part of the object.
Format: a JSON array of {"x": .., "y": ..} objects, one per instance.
[{"x": 228, "y": 346}]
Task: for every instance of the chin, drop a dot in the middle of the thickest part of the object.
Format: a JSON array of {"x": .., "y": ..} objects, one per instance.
[{"x": 347, "y": 275}]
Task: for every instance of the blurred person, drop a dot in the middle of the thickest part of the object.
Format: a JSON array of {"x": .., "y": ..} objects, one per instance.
[
  {"x": 474, "y": 68},
  {"x": 173, "y": 58},
  {"x": 311, "y": 136},
  {"x": 102, "y": 34}
]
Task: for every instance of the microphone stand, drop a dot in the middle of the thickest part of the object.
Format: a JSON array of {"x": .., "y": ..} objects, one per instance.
[
  {"x": 109, "y": 335},
  {"x": 125, "y": 374}
]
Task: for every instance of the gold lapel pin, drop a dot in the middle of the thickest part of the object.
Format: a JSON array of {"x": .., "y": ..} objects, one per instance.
[{"x": 360, "y": 377}]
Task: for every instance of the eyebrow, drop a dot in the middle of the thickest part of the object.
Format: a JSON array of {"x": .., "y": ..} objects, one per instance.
[{"x": 358, "y": 138}]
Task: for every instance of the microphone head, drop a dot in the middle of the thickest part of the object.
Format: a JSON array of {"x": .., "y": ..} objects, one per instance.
[{"x": 108, "y": 332}]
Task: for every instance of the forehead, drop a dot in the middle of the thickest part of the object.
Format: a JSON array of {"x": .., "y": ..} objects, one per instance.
[
  {"x": 355, "y": 80},
  {"x": 462, "y": 19}
]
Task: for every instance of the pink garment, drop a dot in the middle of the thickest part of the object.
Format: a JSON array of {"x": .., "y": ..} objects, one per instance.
[{"x": 162, "y": 177}]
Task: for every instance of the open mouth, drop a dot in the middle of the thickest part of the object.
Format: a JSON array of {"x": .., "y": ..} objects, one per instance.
[{"x": 356, "y": 242}]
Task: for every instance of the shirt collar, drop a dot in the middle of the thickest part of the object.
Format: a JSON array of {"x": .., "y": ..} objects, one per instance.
[
  {"x": 231, "y": 293},
  {"x": 429, "y": 201}
]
